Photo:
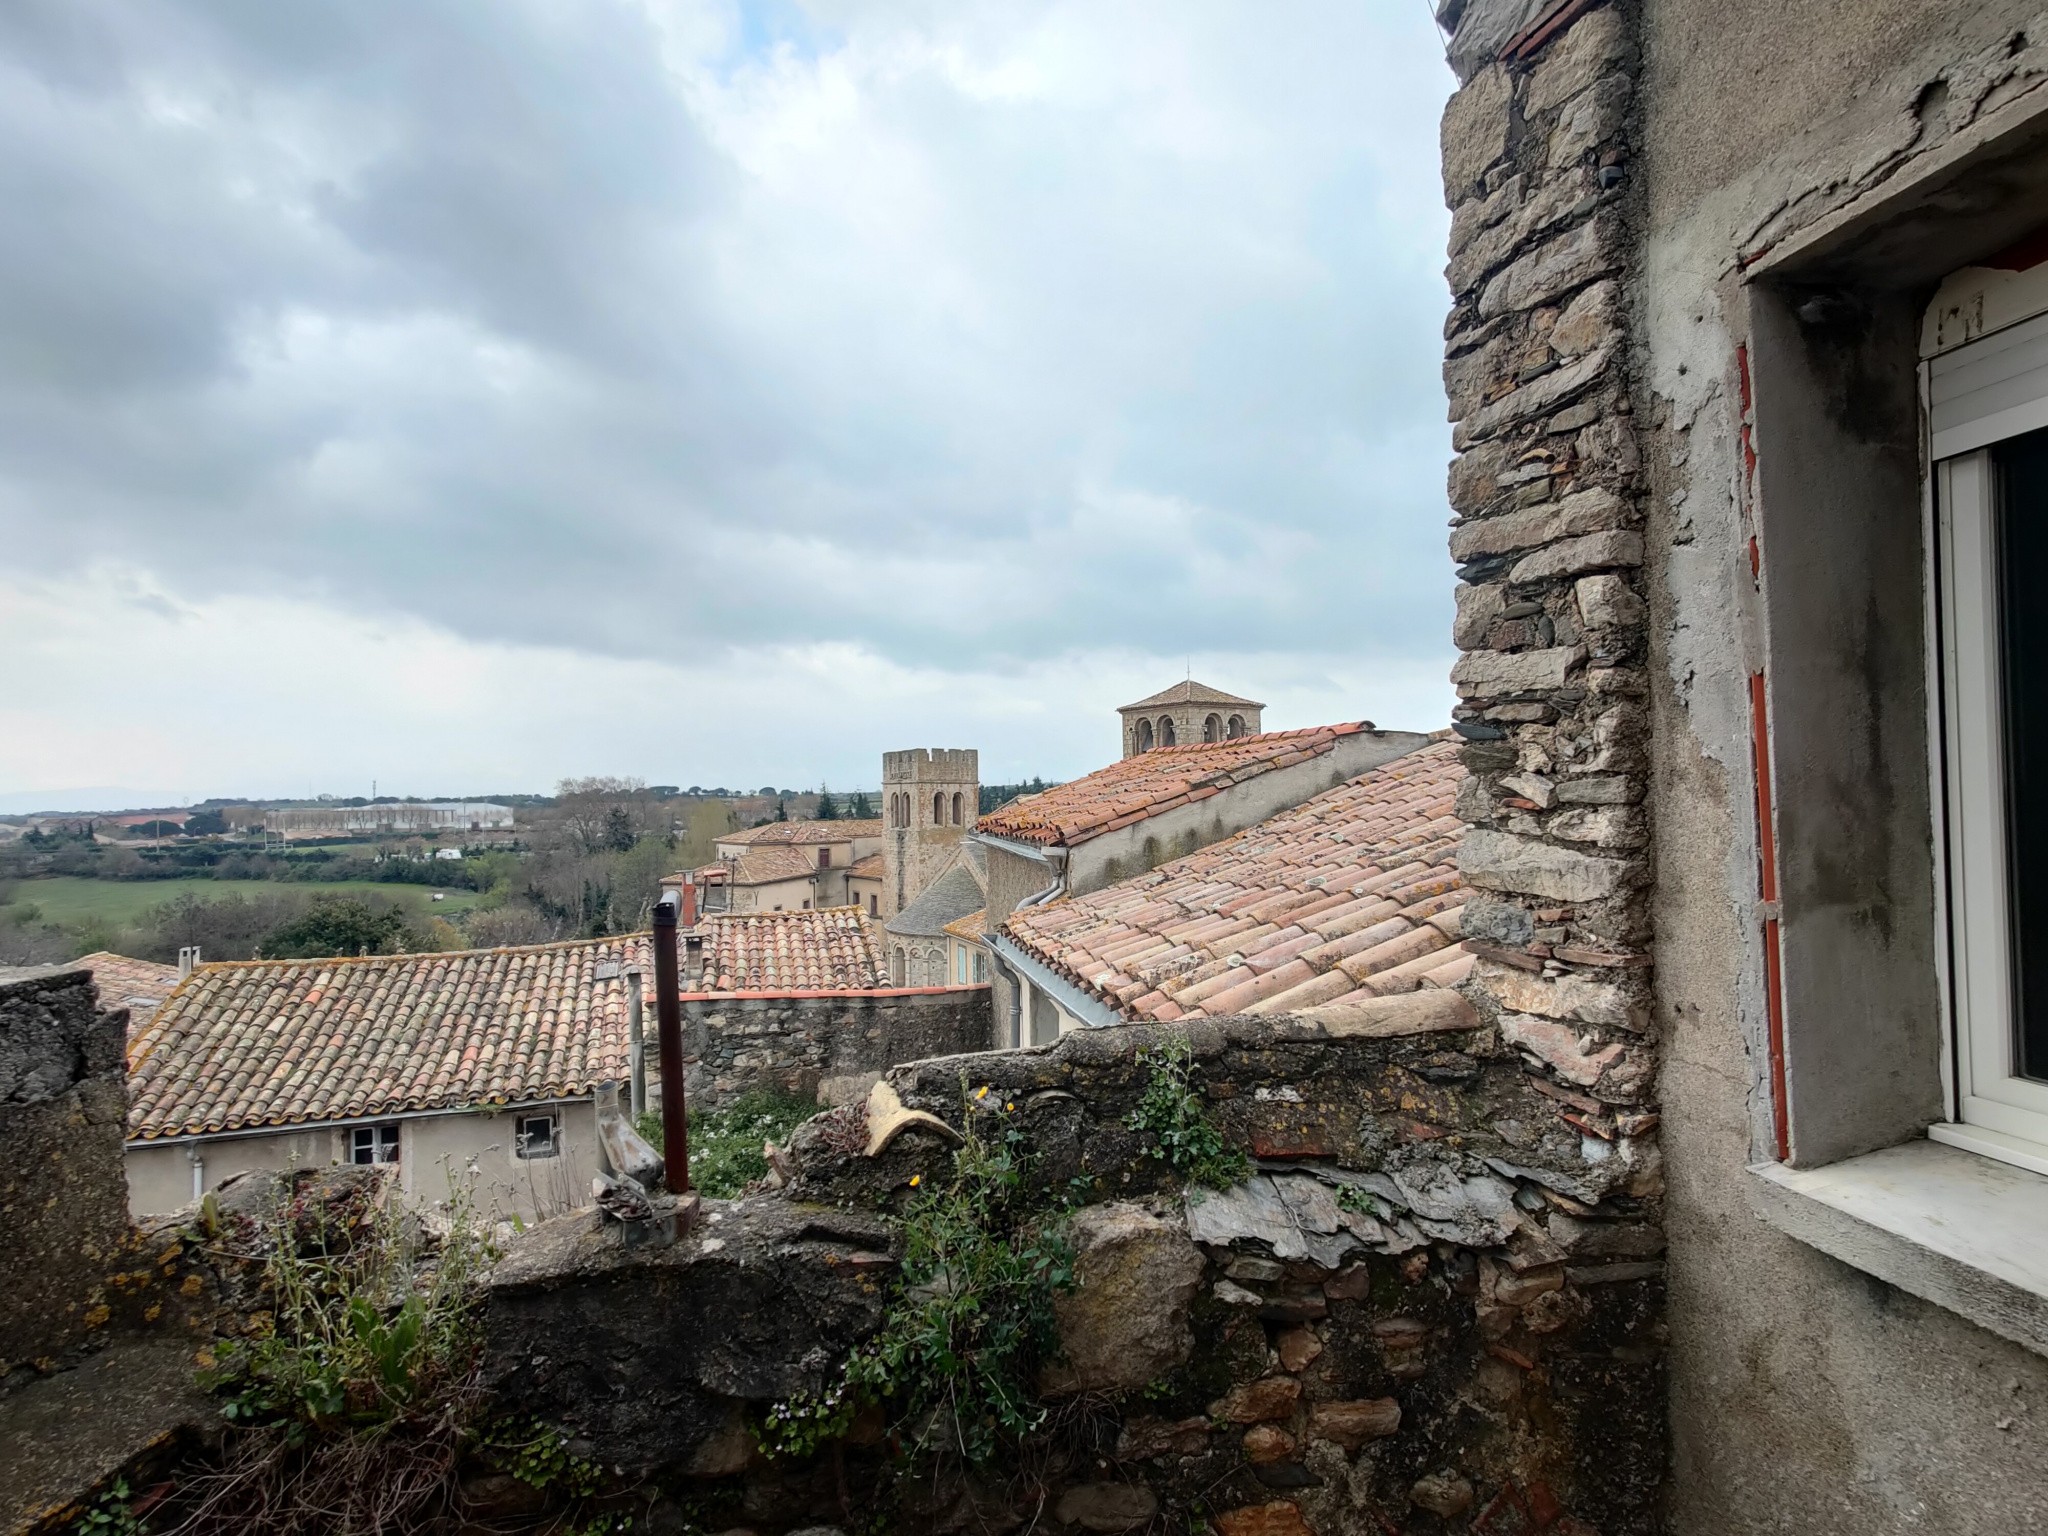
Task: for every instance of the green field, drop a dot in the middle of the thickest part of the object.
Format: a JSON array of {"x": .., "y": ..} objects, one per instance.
[{"x": 65, "y": 899}]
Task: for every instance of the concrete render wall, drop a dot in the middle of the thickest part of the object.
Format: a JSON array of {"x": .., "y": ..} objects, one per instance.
[
  {"x": 431, "y": 1148},
  {"x": 1804, "y": 1395}
]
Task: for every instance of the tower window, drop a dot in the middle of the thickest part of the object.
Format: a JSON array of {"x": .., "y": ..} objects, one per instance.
[
  {"x": 1166, "y": 730},
  {"x": 956, "y": 807},
  {"x": 938, "y": 809},
  {"x": 1212, "y": 728},
  {"x": 1235, "y": 729},
  {"x": 1144, "y": 735}
]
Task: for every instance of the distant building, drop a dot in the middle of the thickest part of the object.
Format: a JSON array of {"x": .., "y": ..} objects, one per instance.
[
  {"x": 828, "y": 850},
  {"x": 402, "y": 817},
  {"x": 1186, "y": 713}
]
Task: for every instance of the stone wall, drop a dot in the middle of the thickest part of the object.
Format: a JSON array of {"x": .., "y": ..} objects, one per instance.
[
  {"x": 1426, "y": 1309},
  {"x": 796, "y": 1042},
  {"x": 63, "y": 1197}
]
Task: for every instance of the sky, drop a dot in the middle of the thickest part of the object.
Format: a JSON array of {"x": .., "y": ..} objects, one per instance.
[{"x": 464, "y": 394}]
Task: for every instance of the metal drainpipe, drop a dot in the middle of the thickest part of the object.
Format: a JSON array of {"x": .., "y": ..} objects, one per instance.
[
  {"x": 1017, "y": 982},
  {"x": 668, "y": 1023},
  {"x": 636, "y": 1048},
  {"x": 198, "y": 1172}
]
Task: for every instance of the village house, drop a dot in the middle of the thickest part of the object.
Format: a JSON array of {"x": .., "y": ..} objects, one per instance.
[
  {"x": 1748, "y": 365},
  {"x": 1153, "y": 806},
  {"x": 790, "y": 866},
  {"x": 1354, "y": 893}
]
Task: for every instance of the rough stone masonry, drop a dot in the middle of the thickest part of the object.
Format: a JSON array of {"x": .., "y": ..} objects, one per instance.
[{"x": 1546, "y": 493}]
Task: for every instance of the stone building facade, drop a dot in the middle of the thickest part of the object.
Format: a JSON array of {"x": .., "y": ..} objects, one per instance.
[
  {"x": 930, "y": 799},
  {"x": 1692, "y": 256},
  {"x": 1188, "y": 712}
]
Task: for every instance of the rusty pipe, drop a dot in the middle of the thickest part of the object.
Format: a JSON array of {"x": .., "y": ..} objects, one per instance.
[{"x": 668, "y": 1023}]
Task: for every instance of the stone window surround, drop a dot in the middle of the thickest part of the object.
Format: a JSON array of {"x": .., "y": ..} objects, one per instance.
[{"x": 1842, "y": 512}]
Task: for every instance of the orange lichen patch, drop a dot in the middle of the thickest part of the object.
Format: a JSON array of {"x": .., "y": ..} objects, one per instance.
[{"x": 1353, "y": 894}]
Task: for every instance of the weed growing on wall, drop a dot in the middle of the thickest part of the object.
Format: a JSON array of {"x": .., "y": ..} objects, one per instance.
[
  {"x": 725, "y": 1144},
  {"x": 1174, "y": 1114},
  {"x": 353, "y": 1404},
  {"x": 971, "y": 1320}
]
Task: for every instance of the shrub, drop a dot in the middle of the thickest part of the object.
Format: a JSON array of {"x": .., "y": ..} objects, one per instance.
[{"x": 1174, "y": 1112}]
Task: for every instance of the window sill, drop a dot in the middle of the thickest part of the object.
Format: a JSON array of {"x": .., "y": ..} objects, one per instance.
[{"x": 1957, "y": 1229}]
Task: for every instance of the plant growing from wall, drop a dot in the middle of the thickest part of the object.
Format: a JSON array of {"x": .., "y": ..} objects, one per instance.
[
  {"x": 1173, "y": 1112},
  {"x": 349, "y": 1410},
  {"x": 971, "y": 1318},
  {"x": 725, "y": 1144}
]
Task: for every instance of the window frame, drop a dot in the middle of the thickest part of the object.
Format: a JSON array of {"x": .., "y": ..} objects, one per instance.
[
  {"x": 1992, "y": 1110},
  {"x": 521, "y": 1145},
  {"x": 383, "y": 1135}
]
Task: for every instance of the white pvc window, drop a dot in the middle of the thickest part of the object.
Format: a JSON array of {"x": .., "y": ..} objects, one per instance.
[
  {"x": 373, "y": 1144},
  {"x": 538, "y": 1136},
  {"x": 1991, "y": 609}
]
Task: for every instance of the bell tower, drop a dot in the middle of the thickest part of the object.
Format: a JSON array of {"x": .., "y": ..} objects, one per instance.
[{"x": 931, "y": 798}]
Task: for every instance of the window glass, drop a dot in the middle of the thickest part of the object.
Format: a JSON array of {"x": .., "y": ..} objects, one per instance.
[
  {"x": 2022, "y": 479},
  {"x": 538, "y": 1136},
  {"x": 373, "y": 1144}
]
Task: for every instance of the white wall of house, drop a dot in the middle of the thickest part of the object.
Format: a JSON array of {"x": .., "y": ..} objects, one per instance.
[{"x": 430, "y": 1147}]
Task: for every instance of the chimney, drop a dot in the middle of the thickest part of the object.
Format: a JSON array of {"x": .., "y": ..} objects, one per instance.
[
  {"x": 188, "y": 958},
  {"x": 689, "y": 917}
]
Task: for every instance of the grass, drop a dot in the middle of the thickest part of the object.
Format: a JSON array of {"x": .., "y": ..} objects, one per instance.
[
  {"x": 725, "y": 1144},
  {"x": 67, "y": 899}
]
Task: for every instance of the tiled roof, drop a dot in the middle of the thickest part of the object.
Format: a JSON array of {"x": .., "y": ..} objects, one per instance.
[
  {"x": 1152, "y": 782},
  {"x": 973, "y": 927},
  {"x": 766, "y": 866},
  {"x": 786, "y": 833},
  {"x": 954, "y": 894},
  {"x": 832, "y": 949},
  {"x": 290, "y": 1042},
  {"x": 866, "y": 868},
  {"x": 1355, "y": 893},
  {"x": 140, "y": 986},
  {"x": 1190, "y": 692}
]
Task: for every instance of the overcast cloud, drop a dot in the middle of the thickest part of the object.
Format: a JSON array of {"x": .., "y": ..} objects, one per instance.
[{"x": 467, "y": 394}]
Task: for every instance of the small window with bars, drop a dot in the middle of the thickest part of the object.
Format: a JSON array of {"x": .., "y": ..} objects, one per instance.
[{"x": 373, "y": 1144}]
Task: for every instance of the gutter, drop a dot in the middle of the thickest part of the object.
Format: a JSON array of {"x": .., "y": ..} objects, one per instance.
[
  {"x": 1009, "y": 959},
  {"x": 1086, "y": 1007}
]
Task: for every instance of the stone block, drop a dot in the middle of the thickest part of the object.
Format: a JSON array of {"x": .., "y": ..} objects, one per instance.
[
  {"x": 1125, "y": 1323},
  {"x": 1513, "y": 1288},
  {"x": 1573, "y": 556},
  {"x": 1609, "y": 826},
  {"x": 1475, "y": 131},
  {"x": 1280, "y": 1518},
  {"x": 1531, "y": 400},
  {"x": 1590, "y": 120},
  {"x": 1353, "y": 1422},
  {"x": 1605, "y": 602},
  {"x": 1478, "y": 609},
  {"x": 1605, "y": 1239},
  {"x": 1476, "y": 215},
  {"x": 1444, "y": 1494},
  {"x": 1555, "y": 268},
  {"x": 1595, "y": 44},
  {"x": 1107, "y": 1506},
  {"x": 1565, "y": 997},
  {"x": 1267, "y": 1443},
  {"x": 1591, "y": 320},
  {"x": 1582, "y": 512},
  {"x": 1473, "y": 481},
  {"x": 1254, "y": 1402},
  {"x": 1501, "y": 861},
  {"x": 1602, "y": 789},
  {"x": 1498, "y": 922},
  {"x": 1297, "y": 1348},
  {"x": 1555, "y": 204},
  {"x": 1489, "y": 674}
]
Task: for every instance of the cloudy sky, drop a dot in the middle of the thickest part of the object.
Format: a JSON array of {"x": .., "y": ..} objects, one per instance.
[{"x": 467, "y": 393}]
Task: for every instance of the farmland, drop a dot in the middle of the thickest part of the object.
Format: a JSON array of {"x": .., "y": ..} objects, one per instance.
[{"x": 66, "y": 900}]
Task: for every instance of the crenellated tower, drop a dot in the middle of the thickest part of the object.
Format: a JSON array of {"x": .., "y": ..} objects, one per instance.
[{"x": 931, "y": 798}]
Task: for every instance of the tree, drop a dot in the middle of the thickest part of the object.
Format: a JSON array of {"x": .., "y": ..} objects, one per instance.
[
  {"x": 619, "y": 833},
  {"x": 861, "y": 809},
  {"x": 338, "y": 926},
  {"x": 207, "y": 823},
  {"x": 828, "y": 808},
  {"x": 782, "y": 810}
]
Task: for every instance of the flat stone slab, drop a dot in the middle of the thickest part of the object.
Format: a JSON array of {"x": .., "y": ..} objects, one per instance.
[{"x": 62, "y": 1436}]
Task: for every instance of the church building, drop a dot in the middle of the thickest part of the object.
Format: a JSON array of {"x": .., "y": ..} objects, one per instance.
[{"x": 1185, "y": 713}]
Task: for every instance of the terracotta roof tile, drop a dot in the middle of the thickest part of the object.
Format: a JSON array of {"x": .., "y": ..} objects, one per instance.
[
  {"x": 1353, "y": 893},
  {"x": 868, "y": 868},
  {"x": 140, "y": 986},
  {"x": 1190, "y": 692},
  {"x": 830, "y": 949},
  {"x": 1129, "y": 791},
  {"x": 294, "y": 1042},
  {"x": 764, "y": 866},
  {"x": 788, "y": 833}
]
